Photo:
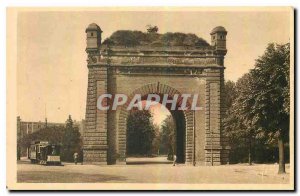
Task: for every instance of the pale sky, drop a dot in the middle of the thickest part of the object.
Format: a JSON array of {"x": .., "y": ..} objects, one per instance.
[
  {"x": 159, "y": 113},
  {"x": 51, "y": 63}
]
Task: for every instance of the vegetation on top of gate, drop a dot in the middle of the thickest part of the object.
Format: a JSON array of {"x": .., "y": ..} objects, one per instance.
[{"x": 129, "y": 38}]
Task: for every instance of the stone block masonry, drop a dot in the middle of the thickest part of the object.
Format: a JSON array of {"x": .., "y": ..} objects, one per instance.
[{"x": 157, "y": 70}]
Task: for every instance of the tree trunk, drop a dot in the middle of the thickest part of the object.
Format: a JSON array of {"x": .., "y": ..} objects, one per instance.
[
  {"x": 18, "y": 153},
  {"x": 281, "y": 160},
  {"x": 249, "y": 152}
]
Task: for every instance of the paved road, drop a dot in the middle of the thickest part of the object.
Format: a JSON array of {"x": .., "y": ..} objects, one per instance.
[{"x": 162, "y": 172}]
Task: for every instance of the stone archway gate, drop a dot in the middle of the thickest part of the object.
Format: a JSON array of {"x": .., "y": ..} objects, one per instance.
[{"x": 158, "y": 70}]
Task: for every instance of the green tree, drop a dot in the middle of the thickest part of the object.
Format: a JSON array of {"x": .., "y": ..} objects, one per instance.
[
  {"x": 168, "y": 138},
  {"x": 271, "y": 95},
  {"x": 53, "y": 135},
  {"x": 230, "y": 93},
  {"x": 71, "y": 141},
  {"x": 260, "y": 110},
  {"x": 239, "y": 124},
  {"x": 156, "y": 141},
  {"x": 140, "y": 133}
]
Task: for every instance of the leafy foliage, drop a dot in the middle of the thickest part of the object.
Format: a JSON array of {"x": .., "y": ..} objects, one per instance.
[
  {"x": 168, "y": 137},
  {"x": 271, "y": 93},
  {"x": 140, "y": 133},
  {"x": 239, "y": 124},
  {"x": 130, "y": 38},
  {"x": 156, "y": 141},
  {"x": 230, "y": 93},
  {"x": 258, "y": 105},
  {"x": 71, "y": 141},
  {"x": 52, "y": 134}
]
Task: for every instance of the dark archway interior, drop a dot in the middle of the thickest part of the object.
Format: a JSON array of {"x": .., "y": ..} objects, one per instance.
[
  {"x": 179, "y": 120},
  {"x": 180, "y": 132}
]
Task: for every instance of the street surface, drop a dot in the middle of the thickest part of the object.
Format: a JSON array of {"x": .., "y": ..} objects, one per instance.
[{"x": 151, "y": 170}]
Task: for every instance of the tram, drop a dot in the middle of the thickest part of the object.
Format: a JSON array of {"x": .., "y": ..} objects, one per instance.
[{"x": 44, "y": 153}]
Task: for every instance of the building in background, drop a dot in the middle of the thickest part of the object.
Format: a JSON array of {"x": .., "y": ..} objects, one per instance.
[{"x": 28, "y": 127}]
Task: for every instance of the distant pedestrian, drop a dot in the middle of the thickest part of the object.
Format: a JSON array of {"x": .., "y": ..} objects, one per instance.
[
  {"x": 174, "y": 160},
  {"x": 75, "y": 156}
]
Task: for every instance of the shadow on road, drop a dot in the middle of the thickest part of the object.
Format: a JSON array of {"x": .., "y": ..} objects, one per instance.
[{"x": 65, "y": 177}]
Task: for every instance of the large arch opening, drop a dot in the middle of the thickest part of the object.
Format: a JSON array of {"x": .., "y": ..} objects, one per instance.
[
  {"x": 183, "y": 120},
  {"x": 154, "y": 136}
]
